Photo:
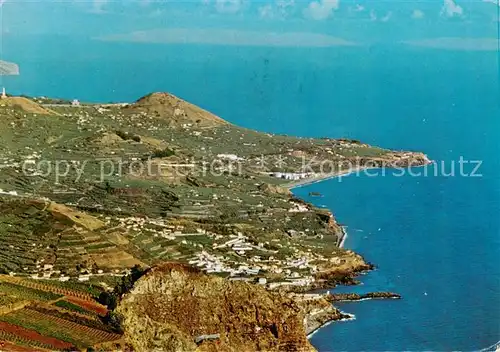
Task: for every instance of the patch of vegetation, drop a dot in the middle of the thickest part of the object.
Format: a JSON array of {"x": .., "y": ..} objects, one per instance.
[
  {"x": 110, "y": 299},
  {"x": 92, "y": 323},
  {"x": 6, "y": 300},
  {"x": 98, "y": 246},
  {"x": 91, "y": 288},
  {"x": 128, "y": 136},
  {"x": 45, "y": 328},
  {"x": 73, "y": 307},
  {"x": 163, "y": 153},
  {"x": 26, "y": 292}
]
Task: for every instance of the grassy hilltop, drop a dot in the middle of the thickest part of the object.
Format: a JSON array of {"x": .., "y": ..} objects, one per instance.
[{"x": 87, "y": 192}]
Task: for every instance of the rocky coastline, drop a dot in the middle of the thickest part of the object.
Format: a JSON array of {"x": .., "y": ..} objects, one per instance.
[
  {"x": 329, "y": 278},
  {"x": 352, "y": 297}
]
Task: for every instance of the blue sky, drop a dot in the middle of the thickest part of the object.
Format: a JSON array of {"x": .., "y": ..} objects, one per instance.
[{"x": 318, "y": 23}]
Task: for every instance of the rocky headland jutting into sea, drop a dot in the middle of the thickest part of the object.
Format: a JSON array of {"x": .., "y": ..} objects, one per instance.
[{"x": 89, "y": 191}]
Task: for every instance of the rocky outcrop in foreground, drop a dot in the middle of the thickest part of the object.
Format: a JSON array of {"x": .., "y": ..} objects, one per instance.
[{"x": 174, "y": 307}]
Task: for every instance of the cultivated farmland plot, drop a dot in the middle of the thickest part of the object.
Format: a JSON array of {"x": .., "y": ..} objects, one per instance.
[
  {"x": 27, "y": 293},
  {"x": 51, "y": 315},
  {"x": 61, "y": 329}
]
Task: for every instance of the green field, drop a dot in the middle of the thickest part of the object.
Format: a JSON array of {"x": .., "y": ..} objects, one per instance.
[
  {"x": 73, "y": 307},
  {"x": 26, "y": 293}
]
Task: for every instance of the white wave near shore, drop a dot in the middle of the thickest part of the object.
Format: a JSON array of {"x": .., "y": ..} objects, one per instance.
[{"x": 350, "y": 317}]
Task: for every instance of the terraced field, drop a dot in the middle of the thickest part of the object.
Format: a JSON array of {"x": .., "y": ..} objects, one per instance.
[
  {"x": 88, "y": 306},
  {"x": 7, "y": 300},
  {"x": 28, "y": 337},
  {"x": 72, "y": 307},
  {"x": 51, "y": 315},
  {"x": 52, "y": 290},
  {"x": 27, "y": 293}
]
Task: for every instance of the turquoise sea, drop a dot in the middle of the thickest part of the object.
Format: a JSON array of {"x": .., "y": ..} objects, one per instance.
[{"x": 435, "y": 239}]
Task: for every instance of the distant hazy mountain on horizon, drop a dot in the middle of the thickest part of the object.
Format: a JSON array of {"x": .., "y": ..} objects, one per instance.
[{"x": 8, "y": 68}]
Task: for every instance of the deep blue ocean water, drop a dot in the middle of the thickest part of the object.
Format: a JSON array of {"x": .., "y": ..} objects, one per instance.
[{"x": 435, "y": 240}]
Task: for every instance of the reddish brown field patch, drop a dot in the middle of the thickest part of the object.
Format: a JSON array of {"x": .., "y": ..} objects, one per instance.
[
  {"x": 88, "y": 305},
  {"x": 8, "y": 346},
  {"x": 32, "y": 335}
]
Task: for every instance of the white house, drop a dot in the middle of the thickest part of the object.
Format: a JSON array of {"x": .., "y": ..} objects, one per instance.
[{"x": 231, "y": 157}]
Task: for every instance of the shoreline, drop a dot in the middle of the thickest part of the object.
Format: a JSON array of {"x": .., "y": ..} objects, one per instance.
[
  {"x": 341, "y": 241},
  {"x": 321, "y": 177},
  {"x": 347, "y": 317}
]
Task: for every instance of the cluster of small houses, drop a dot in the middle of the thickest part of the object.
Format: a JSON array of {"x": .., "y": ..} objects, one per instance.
[
  {"x": 253, "y": 269},
  {"x": 213, "y": 264},
  {"x": 292, "y": 176},
  {"x": 166, "y": 230},
  {"x": 47, "y": 272},
  {"x": 250, "y": 269},
  {"x": 240, "y": 245}
]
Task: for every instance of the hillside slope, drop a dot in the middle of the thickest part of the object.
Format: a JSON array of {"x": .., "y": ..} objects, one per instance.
[
  {"x": 26, "y": 105},
  {"x": 174, "y": 110}
]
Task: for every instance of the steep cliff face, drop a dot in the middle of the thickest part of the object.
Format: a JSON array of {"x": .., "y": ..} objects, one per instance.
[{"x": 173, "y": 307}]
